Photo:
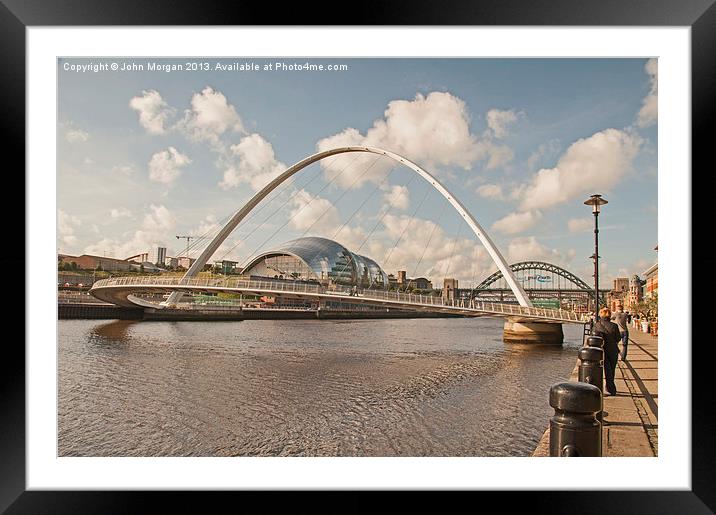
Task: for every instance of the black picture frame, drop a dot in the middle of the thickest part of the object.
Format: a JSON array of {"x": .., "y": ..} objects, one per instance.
[{"x": 17, "y": 15}]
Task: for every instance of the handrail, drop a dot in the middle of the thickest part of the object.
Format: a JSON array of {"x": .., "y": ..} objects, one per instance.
[{"x": 269, "y": 286}]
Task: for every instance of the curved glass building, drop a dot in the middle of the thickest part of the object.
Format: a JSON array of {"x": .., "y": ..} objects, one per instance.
[{"x": 318, "y": 259}]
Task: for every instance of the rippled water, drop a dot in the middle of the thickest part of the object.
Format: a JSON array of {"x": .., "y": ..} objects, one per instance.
[{"x": 422, "y": 387}]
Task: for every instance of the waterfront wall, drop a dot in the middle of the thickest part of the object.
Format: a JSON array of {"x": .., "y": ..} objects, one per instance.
[
  {"x": 107, "y": 311},
  {"x": 66, "y": 311}
]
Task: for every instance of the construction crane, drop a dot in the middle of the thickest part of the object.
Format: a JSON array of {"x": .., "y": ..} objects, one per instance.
[{"x": 187, "y": 238}]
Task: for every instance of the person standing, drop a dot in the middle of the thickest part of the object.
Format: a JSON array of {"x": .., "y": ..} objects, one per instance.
[
  {"x": 609, "y": 331},
  {"x": 622, "y": 320}
]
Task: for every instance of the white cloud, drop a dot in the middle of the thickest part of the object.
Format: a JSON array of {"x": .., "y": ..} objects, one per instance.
[
  {"x": 159, "y": 218},
  {"x": 157, "y": 229},
  {"x": 207, "y": 230},
  {"x": 517, "y": 222},
  {"x": 580, "y": 225},
  {"x": 468, "y": 264},
  {"x": 499, "y": 121},
  {"x": 66, "y": 225},
  {"x": 398, "y": 197},
  {"x": 317, "y": 213},
  {"x": 153, "y": 111},
  {"x": 497, "y": 155},
  {"x": 529, "y": 249},
  {"x": 649, "y": 112},
  {"x": 464, "y": 258},
  {"x": 123, "y": 169},
  {"x": 596, "y": 163},
  {"x": 351, "y": 237},
  {"x": 165, "y": 166},
  {"x": 493, "y": 191},
  {"x": 353, "y": 169},
  {"x": 606, "y": 275},
  {"x": 543, "y": 152},
  {"x": 432, "y": 130},
  {"x": 210, "y": 116},
  {"x": 76, "y": 135},
  {"x": 121, "y": 212},
  {"x": 257, "y": 164}
]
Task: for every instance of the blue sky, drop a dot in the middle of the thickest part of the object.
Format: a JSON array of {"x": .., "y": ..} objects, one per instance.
[{"x": 147, "y": 155}]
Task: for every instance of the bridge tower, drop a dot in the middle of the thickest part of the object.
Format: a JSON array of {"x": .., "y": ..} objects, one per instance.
[{"x": 522, "y": 331}]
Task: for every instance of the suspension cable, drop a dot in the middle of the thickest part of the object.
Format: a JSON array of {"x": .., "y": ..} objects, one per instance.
[
  {"x": 332, "y": 204},
  {"x": 365, "y": 201},
  {"x": 354, "y": 212},
  {"x": 340, "y": 197},
  {"x": 454, "y": 244},
  {"x": 432, "y": 232},
  {"x": 215, "y": 230},
  {"x": 291, "y": 197},
  {"x": 387, "y": 210},
  {"x": 390, "y": 253},
  {"x": 307, "y": 204}
]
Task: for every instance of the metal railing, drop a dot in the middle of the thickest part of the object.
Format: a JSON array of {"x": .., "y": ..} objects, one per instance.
[{"x": 337, "y": 292}]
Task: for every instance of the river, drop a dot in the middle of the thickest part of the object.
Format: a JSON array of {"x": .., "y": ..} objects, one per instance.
[{"x": 410, "y": 387}]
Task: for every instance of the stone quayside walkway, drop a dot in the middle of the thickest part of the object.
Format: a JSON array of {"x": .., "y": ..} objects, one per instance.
[{"x": 631, "y": 417}]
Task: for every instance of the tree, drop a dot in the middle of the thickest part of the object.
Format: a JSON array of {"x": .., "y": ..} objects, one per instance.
[{"x": 649, "y": 308}]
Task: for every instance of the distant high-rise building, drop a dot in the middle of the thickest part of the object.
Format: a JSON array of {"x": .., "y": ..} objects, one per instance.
[
  {"x": 161, "y": 254},
  {"x": 621, "y": 284},
  {"x": 402, "y": 278}
]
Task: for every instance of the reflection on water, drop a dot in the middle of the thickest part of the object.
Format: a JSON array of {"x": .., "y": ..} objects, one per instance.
[
  {"x": 423, "y": 387},
  {"x": 111, "y": 332}
]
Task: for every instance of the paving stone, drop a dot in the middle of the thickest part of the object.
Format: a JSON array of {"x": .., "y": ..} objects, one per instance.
[{"x": 631, "y": 425}]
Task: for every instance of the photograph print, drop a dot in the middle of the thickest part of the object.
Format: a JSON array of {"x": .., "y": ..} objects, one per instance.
[{"x": 346, "y": 257}]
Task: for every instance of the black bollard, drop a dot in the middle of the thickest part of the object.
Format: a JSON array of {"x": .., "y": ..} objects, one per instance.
[
  {"x": 591, "y": 371},
  {"x": 591, "y": 366},
  {"x": 595, "y": 341},
  {"x": 574, "y": 430}
]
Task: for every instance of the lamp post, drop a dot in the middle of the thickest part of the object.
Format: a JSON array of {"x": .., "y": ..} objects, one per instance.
[{"x": 596, "y": 201}]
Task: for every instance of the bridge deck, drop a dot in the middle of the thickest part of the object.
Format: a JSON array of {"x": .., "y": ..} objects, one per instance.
[{"x": 123, "y": 290}]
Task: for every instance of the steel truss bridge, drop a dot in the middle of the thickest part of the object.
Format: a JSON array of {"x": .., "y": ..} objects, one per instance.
[
  {"x": 142, "y": 292},
  {"x": 138, "y": 291},
  {"x": 541, "y": 280}
]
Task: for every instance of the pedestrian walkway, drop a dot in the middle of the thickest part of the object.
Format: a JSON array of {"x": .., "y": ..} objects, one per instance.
[{"x": 631, "y": 416}]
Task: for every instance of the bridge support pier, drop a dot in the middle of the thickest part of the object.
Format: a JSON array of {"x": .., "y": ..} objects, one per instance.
[{"x": 533, "y": 332}]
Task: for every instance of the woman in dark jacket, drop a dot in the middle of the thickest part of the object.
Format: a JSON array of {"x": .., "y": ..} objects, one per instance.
[{"x": 609, "y": 331}]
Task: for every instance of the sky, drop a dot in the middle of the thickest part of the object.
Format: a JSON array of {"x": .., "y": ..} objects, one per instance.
[{"x": 167, "y": 147}]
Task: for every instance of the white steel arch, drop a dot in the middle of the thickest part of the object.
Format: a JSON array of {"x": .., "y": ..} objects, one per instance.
[{"x": 224, "y": 233}]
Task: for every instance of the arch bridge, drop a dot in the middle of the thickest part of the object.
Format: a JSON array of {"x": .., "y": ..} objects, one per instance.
[
  {"x": 143, "y": 291},
  {"x": 546, "y": 284},
  {"x": 476, "y": 228},
  {"x": 147, "y": 292}
]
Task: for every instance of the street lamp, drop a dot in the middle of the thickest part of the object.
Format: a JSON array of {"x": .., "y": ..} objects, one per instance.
[{"x": 596, "y": 201}]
